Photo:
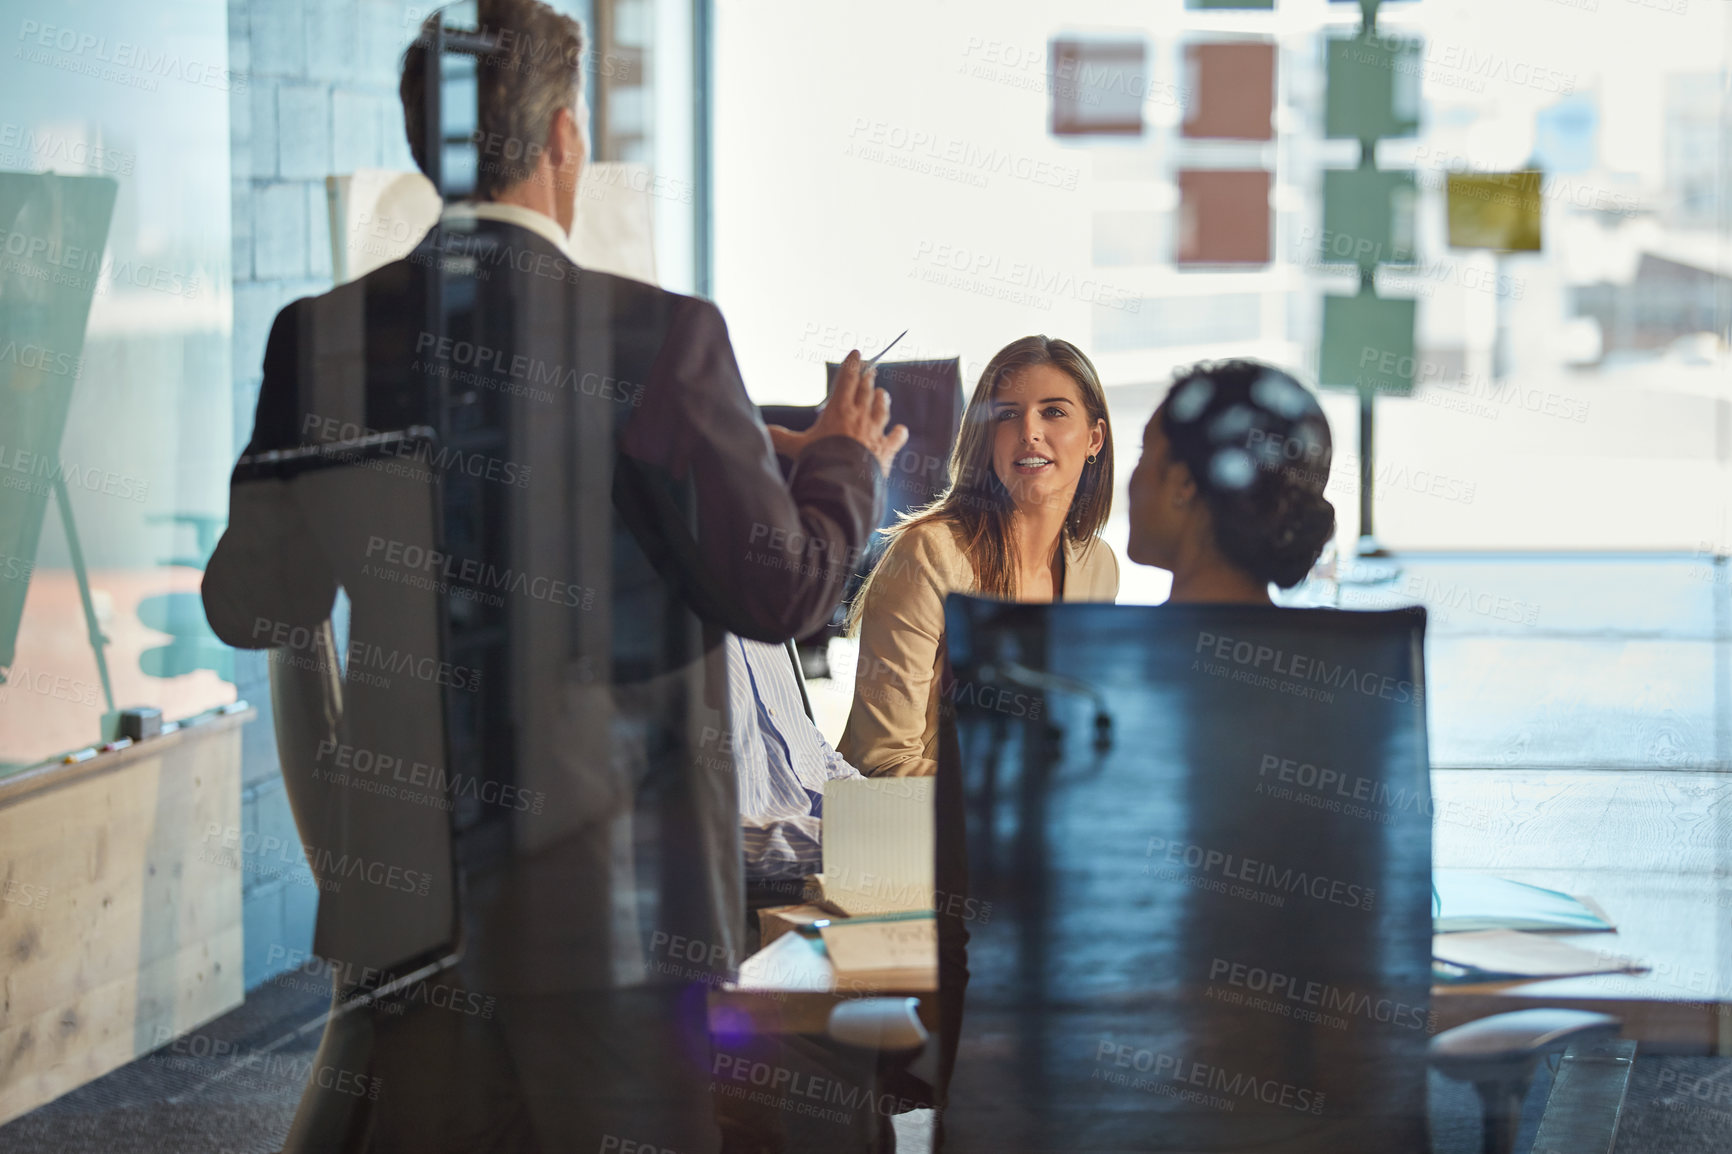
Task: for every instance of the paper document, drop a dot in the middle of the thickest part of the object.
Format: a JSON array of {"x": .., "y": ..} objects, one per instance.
[
  {"x": 878, "y": 844},
  {"x": 791, "y": 962},
  {"x": 1489, "y": 954}
]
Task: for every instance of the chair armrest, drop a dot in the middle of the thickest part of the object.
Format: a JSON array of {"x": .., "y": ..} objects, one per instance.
[{"x": 1507, "y": 1045}]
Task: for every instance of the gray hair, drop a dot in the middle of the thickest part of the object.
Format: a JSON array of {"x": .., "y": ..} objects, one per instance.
[{"x": 537, "y": 70}]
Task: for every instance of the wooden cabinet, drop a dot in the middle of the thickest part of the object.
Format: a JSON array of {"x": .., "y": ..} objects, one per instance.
[{"x": 120, "y": 907}]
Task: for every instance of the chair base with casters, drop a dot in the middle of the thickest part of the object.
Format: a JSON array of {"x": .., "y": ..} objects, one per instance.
[{"x": 1498, "y": 1055}]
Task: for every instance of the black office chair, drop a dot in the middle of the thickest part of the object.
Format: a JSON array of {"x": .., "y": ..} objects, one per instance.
[
  {"x": 1216, "y": 934},
  {"x": 796, "y": 417},
  {"x": 927, "y": 397}
]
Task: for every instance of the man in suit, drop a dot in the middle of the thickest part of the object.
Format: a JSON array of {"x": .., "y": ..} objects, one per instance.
[{"x": 609, "y": 506}]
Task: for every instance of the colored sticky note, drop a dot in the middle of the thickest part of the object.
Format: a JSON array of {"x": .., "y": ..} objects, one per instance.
[
  {"x": 1372, "y": 88},
  {"x": 1098, "y": 87},
  {"x": 1367, "y": 217},
  {"x": 1367, "y": 344},
  {"x": 1230, "y": 90},
  {"x": 1495, "y": 210},
  {"x": 1223, "y": 216}
]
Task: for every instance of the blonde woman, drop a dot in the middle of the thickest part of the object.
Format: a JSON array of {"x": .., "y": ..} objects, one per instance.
[{"x": 1031, "y": 483}]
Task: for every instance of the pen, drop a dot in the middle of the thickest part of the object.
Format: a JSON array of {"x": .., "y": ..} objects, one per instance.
[
  {"x": 813, "y": 927},
  {"x": 887, "y": 348}
]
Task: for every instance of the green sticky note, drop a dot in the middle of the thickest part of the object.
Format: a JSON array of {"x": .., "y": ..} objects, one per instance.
[
  {"x": 1367, "y": 344},
  {"x": 1367, "y": 217},
  {"x": 1373, "y": 87}
]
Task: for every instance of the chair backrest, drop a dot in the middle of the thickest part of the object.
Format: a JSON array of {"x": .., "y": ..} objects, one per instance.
[
  {"x": 927, "y": 397},
  {"x": 1213, "y": 933},
  {"x": 796, "y": 417}
]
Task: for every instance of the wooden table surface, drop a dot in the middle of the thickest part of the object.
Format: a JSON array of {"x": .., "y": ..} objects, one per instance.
[{"x": 1653, "y": 848}]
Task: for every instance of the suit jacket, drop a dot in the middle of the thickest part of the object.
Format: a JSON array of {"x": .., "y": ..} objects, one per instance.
[
  {"x": 893, "y": 726},
  {"x": 611, "y": 505}
]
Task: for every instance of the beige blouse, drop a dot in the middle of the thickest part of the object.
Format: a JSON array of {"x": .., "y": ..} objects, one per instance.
[{"x": 893, "y": 727}]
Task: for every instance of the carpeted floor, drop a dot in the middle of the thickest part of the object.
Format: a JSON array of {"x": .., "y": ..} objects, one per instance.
[{"x": 231, "y": 1088}]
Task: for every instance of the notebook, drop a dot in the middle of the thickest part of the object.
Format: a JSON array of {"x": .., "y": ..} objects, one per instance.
[
  {"x": 1465, "y": 900},
  {"x": 884, "y": 955}
]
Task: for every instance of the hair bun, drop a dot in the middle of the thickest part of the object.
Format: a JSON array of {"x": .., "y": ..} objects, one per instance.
[
  {"x": 1307, "y": 526},
  {"x": 1275, "y": 534},
  {"x": 1257, "y": 445}
]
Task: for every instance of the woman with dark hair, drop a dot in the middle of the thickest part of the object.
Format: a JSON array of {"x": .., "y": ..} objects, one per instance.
[
  {"x": 1229, "y": 491},
  {"x": 1031, "y": 483}
]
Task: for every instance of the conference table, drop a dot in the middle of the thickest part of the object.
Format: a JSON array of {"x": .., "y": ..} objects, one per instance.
[{"x": 1652, "y": 848}]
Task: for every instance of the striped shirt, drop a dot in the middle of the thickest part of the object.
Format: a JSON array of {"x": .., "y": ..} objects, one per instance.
[{"x": 782, "y": 761}]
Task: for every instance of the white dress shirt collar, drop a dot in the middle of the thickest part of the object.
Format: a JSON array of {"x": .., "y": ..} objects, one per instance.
[{"x": 542, "y": 225}]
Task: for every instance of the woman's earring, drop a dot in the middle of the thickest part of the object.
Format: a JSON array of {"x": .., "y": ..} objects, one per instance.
[{"x": 1091, "y": 458}]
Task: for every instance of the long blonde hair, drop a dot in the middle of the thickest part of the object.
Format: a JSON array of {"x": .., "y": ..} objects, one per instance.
[{"x": 978, "y": 504}]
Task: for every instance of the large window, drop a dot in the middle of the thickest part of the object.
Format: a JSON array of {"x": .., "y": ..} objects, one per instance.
[
  {"x": 643, "y": 92},
  {"x": 1133, "y": 179}
]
